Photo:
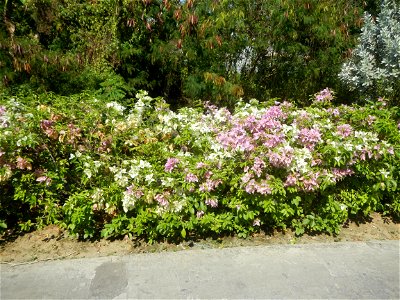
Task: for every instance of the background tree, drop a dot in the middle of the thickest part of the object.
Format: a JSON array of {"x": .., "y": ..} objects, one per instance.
[
  {"x": 217, "y": 50},
  {"x": 374, "y": 67}
]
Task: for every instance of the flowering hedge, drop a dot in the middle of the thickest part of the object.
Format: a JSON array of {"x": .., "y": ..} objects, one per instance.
[{"x": 144, "y": 170}]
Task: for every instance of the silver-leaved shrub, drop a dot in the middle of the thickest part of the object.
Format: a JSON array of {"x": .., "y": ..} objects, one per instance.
[{"x": 374, "y": 67}]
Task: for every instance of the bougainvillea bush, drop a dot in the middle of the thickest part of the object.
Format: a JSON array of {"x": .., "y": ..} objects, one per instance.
[{"x": 102, "y": 169}]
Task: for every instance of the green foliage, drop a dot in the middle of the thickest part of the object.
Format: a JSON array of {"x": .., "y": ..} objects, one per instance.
[
  {"x": 218, "y": 51},
  {"x": 103, "y": 169}
]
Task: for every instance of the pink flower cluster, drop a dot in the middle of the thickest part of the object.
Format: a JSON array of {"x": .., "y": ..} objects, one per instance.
[
  {"x": 201, "y": 165},
  {"x": 334, "y": 111},
  {"x": 291, "y": 180},
  {"x": 161, "y": 199},
  {"x": 281, "y": 159},
  {"x": 309, "y": 137},
  {"x": 44, "y": 179},
  {"x": 212, "y": 202},
  {"x": 135, "y": 192},
  {"x": 245, "y": 135},
  {"x": 371, "y": 120},
  {"x": 261, "y": 187},
  {"x": 47, "y": 127},
  {"x": 258, "y": 166},
  {"x": 324, "y": 96},
  {"x": 190, "y": 177},
  {"x": 375, "y": 153},
  {"x": 341, "y": 173},
  {"x": 311, "y": 183},
  {"x": 200, "y": 214},
  {"x": 344, "y": 130},
  {"x": 171, "y": 164},
  {"x": 23, "y": 164},
  {"x": 210, "y": 185},
  {"x": 236, "y": 138}
]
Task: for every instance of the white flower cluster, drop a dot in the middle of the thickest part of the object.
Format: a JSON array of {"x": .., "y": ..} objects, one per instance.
[{"x": 116, "y": 106}]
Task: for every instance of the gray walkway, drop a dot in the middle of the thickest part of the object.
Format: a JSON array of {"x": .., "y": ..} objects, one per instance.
[{"x": 342, "y": 270}]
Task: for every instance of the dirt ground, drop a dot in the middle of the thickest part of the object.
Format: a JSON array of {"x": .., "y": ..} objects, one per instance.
[{"x": 52, "y": 243}]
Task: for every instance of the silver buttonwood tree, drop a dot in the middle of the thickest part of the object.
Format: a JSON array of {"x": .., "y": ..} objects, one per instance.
[{"x": 374, "y": 67}]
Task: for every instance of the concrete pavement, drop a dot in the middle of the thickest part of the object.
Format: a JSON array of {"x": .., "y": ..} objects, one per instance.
[{"x": 356, "y": 270}]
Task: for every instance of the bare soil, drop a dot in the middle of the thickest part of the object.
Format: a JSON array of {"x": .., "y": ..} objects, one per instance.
[{"x": 52, "y": 243}]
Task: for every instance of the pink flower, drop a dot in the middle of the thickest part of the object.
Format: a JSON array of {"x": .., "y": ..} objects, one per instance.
[
  {"x": 160, "y": 198},
  {"x": 23, "y": 164},
  {"x": 212, "y": 202},
  {"x": 316, "y": 162},
  {"x": 340, "y": 173},
  {"x": 208, "y": 174},
  {"x": 311, "y": 183},
  {"x": 251, "y": 187},
  {"x": 44, "y": 179},
  {"x": 200, "y": 165},
  {"x": 344, "y": 130},
  {"x": 190, "y": 177},
  {"x": 371, "y": 120},
  {"x": 46, "y": 124},
  {"x": 256, "y": 222},
  {"x": 258, "y": 166},
  {"x": 283, "y": 158},
  {"x": 210, "y": 185},
  {"x": 324, "y": 96},
  {"x": 171, "y": 164},
  {"x": 263, "y": 188},
  {"x": 236, "y": 138},
  {"x": 200, "y": 214},
  {"x": 47, "y": 127},
  {"x": 309, "y": 137},
  {"x": 291, "y": 180},
  {"x": 272, "y": 140},
  {"x": 246, "y": 177},
  {"x": 132, "y": 190}
]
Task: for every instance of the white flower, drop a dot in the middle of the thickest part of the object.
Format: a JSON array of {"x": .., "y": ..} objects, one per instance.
[
  {"x": 133, "y": 172},
  {"x": 168, "y": 182},
  {"x": 144, "y": 164},
  {"x": 128, "y": 202},
  {"x": 113, "y": 169},
  {"x": 149, "y": 178},
  {"x": 120, "y": 178},
  {"x": 88, "y": 173},
  {"x": 384, "y": 173},
  {"x": 116, "y": 106},
  {"x": 97, "y": 195}
]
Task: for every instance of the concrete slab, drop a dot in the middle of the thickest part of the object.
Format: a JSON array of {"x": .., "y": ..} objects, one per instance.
[{"x": 342, "y": 270}]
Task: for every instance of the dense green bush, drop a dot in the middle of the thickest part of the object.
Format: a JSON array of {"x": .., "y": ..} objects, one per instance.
[
  {"x": 182, "y": 50},
  {"x": 141, "y": 169}
]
